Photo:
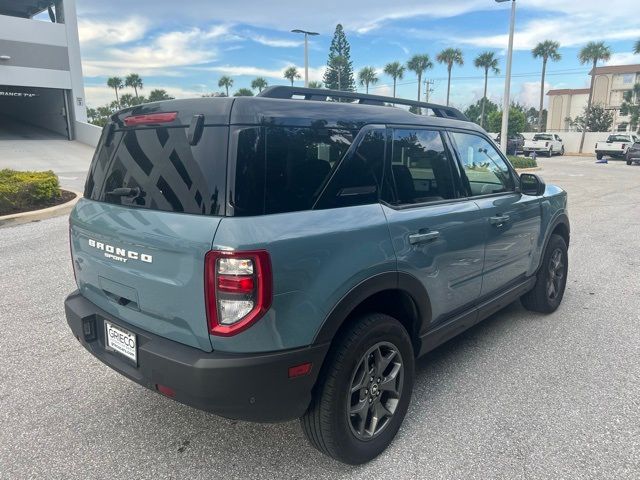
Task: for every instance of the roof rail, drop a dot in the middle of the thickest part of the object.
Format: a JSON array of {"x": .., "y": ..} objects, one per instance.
[{"x": 322, "y": 94}]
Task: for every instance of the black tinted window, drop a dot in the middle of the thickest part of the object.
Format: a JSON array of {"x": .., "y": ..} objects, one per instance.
[
  {"x": 162, "y": 171},
  {"x": 421, "y": 167},
  {"x": 281, "y": 169},
  {"x": 358, "y": 179}
]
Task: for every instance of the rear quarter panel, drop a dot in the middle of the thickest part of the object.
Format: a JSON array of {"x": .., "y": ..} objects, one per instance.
[{"x": 317, "y": 257}]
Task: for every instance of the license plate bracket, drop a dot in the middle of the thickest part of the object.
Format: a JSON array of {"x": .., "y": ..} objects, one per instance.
[{"x": 121, "y": 341}]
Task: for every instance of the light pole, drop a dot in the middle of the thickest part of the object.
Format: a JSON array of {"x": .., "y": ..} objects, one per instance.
[
  {"x": 507, "y": 81},
  {"x": 306, "y": 52}
]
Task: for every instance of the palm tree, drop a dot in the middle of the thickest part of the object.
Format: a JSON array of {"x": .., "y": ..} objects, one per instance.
[
  {"x": 116, "y": 84},
  {"x": 636, "y": 47},
  {"x": 259, "y": 84},
  {"x": 315, "y": 84},
  {"x": 486, "y": 61},
  {"x": 419, "y": 64},
  {"x": 449, "y": 56},
  {"x": 226, "y": 82},
  {"x": 396, "y": 71},
  {"x": 367, "y": 76},
  {"x": 592, "y": 52},
  {"x": 547, "y": 50},
  {"x": 291, "y": 74},
  {"x": 134, "y": 81}
]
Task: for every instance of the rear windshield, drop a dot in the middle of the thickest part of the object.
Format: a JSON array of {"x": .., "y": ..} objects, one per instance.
[
  {"x": 161, "y": 170},
  {"x": 618, "y": 138},
  {"x": 542, "y": 137}
]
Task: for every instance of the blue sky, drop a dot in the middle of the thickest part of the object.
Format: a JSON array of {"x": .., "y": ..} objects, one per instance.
[{"x": 184, "y": 47}]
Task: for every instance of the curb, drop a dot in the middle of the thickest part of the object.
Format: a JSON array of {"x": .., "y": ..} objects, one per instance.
[
  {"x": 525, "y": 170},
  {"x": 42, "y": 214}
]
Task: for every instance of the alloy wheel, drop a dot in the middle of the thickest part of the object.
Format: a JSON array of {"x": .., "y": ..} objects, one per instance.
[
  {"x": 555, "y": 275},
  {"x": 375, "y": 390}
]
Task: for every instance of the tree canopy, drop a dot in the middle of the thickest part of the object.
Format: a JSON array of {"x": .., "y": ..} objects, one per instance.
[{"x": 339, "y": 72}]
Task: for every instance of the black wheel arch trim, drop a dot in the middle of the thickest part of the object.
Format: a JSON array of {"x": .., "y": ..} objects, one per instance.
[
  {"x": 401, "y": 281},
  {"x": 561, "y": 219}
]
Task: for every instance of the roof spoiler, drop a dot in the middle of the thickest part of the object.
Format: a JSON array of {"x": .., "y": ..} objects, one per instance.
[{"x": 323, "y": 94}]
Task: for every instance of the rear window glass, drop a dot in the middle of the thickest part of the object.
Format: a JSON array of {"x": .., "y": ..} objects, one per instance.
[
  {"x": 618, "y": 138},
  {"x": 284, "y": 169},
  {"x": 156, "y": 168}
]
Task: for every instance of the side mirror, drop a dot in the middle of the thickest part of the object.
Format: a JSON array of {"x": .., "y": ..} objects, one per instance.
[{"x": 531, "y": 184}]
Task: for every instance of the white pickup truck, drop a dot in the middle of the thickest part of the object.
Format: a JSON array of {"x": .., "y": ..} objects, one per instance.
[
  {"x": 544, "y": 144},
  {"x": 617, "y": 145}
]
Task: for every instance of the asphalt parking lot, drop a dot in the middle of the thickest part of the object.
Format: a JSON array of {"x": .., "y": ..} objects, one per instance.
[{"x": 519, "y": 396}]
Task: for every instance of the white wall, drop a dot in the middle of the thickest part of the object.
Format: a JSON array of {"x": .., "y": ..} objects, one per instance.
[
  {"x": 571, "y": 140},
  {"x": 32, "y": 31},
  {"x": 79, "y": 103},
  {"x": 87, "y": 133}
]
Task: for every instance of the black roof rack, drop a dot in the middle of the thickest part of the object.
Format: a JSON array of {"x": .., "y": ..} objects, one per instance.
[{"x": 322, "y": 94}]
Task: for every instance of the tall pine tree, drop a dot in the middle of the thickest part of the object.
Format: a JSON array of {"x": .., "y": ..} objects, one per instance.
[{"x": 339, "y": 73}]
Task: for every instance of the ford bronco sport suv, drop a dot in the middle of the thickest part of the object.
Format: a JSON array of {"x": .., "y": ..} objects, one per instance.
[{"x": 290, "y": 255}]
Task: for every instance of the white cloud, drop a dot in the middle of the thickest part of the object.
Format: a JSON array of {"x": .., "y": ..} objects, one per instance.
[
  {"x": 315, "y": 73},
  {"x": 160, "y": 55},
  {"x": 276, "y": 42},
  {"x": 624, "y": 58},
  {"x": 98, "y": 95},
  {"x": 571, "y": 30},
  {"x": 93, "y": 32}
]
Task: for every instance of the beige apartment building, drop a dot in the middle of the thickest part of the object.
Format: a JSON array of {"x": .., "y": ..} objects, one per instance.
[{"x": 610, "y": 84}]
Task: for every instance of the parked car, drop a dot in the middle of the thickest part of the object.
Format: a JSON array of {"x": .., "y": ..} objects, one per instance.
[
  {"x": 284, "y": 256},
  {"x": 515, "y": 143},
  {"x": 633, "y": 153},
  {"x": 616, "y": 145},
  {"x": 544, "y": 143}
]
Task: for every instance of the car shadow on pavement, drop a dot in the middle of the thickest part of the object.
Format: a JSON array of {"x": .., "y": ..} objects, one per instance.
[{"x": 184, "y": 439}]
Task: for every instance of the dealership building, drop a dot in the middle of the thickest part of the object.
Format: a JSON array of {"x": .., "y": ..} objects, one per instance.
[{"x": 41, "y": 83}]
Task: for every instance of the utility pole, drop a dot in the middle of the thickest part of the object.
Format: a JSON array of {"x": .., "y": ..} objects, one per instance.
[
  {"x": 428, "y": 88},
  {"x": 507, "y": 82}
]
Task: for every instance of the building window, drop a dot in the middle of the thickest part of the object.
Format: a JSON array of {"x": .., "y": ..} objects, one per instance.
[
  {"x": 627, "y": 78},
  {"x": 622, "y": 127}
]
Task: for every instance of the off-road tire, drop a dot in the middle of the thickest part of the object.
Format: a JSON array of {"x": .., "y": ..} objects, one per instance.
[
  {"x": 539, "y": 298},
  {"x": 599, "y": 156},
  {"x": 327, "y": 423}
]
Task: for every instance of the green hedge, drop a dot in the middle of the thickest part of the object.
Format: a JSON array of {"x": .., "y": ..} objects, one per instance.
[
  {"x": 522, "y": 162},
  {"x": 22, "y": 191}
]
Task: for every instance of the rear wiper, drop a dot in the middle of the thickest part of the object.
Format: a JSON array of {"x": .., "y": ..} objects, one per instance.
[{"x": 125, "y": 192}]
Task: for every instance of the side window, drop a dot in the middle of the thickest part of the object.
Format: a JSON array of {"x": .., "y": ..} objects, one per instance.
[
  {"x": 281, "y": 169},
  {"x": 358, "y": 180},
  {"x": 483, "y": 166},
  {"x": 421, "y": 168}
]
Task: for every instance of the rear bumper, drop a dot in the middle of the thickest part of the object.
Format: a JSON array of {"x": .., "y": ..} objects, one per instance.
[
  {"x": 252, "y": 387},
  {"x": 611, "y": 153}
]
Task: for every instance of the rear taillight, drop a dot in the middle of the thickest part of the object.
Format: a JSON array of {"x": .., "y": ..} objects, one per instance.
[
  {"x": 150, "y": 119},
  {"x": 238, "y": 289}
]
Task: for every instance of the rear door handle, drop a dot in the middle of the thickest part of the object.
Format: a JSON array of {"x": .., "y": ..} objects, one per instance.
[
  {"x": 415, "y": 238},
  {"x": 499, "y": 220}
]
